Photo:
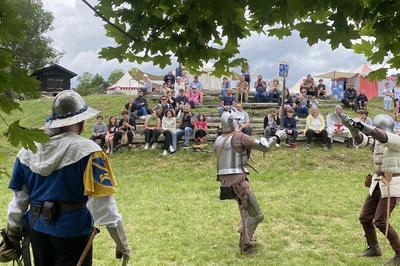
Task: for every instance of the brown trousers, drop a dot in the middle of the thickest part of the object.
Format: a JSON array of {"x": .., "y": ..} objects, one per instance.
[
  {"x": 373, "y": 214},
  {"x": 250, "y": 213}
]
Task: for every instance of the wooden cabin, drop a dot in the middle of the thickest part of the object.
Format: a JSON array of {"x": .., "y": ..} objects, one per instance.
[{"x": 54, "y": 79}]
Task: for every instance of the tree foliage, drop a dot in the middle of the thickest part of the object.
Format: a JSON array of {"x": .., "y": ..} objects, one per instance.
[
  {"x": 36, "y": 51},
  {"x": 200, "y": 31},
  {"x": 14, "y": 77},
  {"x": 91, "y": 84},
  {"x": 115, "y": 75}
]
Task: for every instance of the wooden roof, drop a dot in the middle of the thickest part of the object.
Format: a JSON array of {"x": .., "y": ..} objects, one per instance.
[{"x": 55, "y": 66}]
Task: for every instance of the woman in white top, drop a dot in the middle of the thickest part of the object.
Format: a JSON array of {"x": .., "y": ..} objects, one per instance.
[
  {"x": 179, "y": 84},
  {"x": 315, "y": 127},
  {"x": 168, "y": 126}
]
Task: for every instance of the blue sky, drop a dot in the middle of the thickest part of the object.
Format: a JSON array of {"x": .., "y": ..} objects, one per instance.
[{"x": 80, "y": 35}]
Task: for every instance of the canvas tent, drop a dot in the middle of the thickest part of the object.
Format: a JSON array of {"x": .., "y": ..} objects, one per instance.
[
  {"x": 357, "y": 77},
  {"x": 125, "y": 85}
]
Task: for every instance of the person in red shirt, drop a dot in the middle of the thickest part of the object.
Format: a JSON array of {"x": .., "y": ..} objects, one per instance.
[{"x": 200, "y": 128}]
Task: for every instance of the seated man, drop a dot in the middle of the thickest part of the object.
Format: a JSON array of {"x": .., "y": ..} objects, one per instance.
[
  {"x": 141, "y": 105},
  {"x": 163, "y": 106},
  {"x": 194, "y": 97},
  {"x": 261, "y": 89},
  {"x": 349, "y": 97},
  {"x": 99, "y": 130},
  {"x": 185, "y": 124},
  {"x": 180, "y": 100},
  {"x": 224, "y": 87},
  {"x": 335, "y": 127},
  {"x": 301, "y": 104},
  {"x": 309, "y": 85},
  {"x": 125, "y": 133},
  {"x": 243, "y": 120},
  {"x": 227, "y": 102},
  {"x": 362, "y": 100}
]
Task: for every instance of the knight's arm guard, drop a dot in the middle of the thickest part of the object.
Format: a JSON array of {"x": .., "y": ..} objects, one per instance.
[
  {"x": 264, "y": 144},
  {"x": 18, "y": 207},
  {"x": 360, "y": 130},
  {"x": 393, "y": 141},
  {"x": 105, "y": 212}
]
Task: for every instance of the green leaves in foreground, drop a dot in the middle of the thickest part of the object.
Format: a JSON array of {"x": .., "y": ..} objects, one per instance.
[{"x": 17, "y": 134}]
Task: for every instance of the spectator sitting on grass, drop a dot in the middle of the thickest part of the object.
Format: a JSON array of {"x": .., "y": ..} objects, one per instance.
[
  {"x": 185, "y": 125},
  {"x": 309, "y": 85},
  {"x": 169, "y": 77},
  {"x": 194, "y": 97},
  {"x": 171, "y": 99},
  {"x": 152, "y": 126},
  {"x": 271, "y": 123},
  {"x": 274, "y": 95},
  {"x": 349, "y": 97},
  {"x": 363, "y": 117},
  {"x": 168, "y": 125},
  {"x": 111, "y": 129},
  {"x": 179, "y": 84},
  {"x": 314, "y": 101},
  {"x": 99, "y": 130},
  {"x": 315, "y": 127},
  {"x": 302, "y": 104},
  {"x": 180, "y": 101},
  {"x": 287, "y": 100},
  {"x": 361, "y": 100},
  {"x": 261, "y": 90},
  {"x": 396, "y": 126},
  {"x": 227, "y": 102},
  {"x": 163, "y": 106},
  {"x": 243, "y": 120},
  {"x": 290, "y": 125},
  {"x": 141, "y": 105},
  {"x": 335, "y": 127},
  {"x": 225, "y": 86},
  {"x": 147, "y": 86},
  {"x": 242, "y": 90},
  {"x": 125, "y": 132},
  {"x": 200, "y": 128},
  {"x": 131, "y": 108},
  {"x": 321, "y": 90}
]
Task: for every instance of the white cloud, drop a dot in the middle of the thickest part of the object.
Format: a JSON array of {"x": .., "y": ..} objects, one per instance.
[{"x": 81, "y": 35}]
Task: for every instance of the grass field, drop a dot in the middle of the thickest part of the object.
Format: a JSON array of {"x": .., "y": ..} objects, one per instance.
[{"x": 170, "y": 206}]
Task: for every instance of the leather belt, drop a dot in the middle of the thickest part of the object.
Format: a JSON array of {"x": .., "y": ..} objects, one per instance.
[{"x": 62, "y": 206}]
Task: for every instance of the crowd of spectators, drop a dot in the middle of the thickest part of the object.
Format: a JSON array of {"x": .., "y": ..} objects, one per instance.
[{"x": 174, "y": 119}]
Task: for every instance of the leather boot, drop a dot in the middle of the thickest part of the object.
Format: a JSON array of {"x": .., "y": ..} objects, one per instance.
[
  {"x": 373, "y": 249},
  {"x": 349, "y": 142},
  {"x": 395, "y": 243}
]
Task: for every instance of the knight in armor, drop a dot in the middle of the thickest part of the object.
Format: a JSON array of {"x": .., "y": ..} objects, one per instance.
[
  {"x": 384, "y": 184},
  {"x": 233, "y": 149},
  {"x": 60, "y": 191}
]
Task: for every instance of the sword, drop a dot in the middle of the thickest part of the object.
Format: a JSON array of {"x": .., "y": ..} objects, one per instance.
[{"x": 95, "y": 231}]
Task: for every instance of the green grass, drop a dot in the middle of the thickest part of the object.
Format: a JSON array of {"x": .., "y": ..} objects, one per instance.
[{"x": 170, "y": 206}]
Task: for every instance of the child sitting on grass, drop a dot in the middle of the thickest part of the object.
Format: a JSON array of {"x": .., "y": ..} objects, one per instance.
[
  {"x": 201, "y": 127},
  {"x": 99, "y": 130}
]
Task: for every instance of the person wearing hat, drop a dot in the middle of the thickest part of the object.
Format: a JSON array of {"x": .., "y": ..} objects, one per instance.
[
  {"x": 349, "y": 97},
  {"x": 335, "y": 127},
  {"x": 384, "y": 183},
  {"x": 61, "y": 190}
]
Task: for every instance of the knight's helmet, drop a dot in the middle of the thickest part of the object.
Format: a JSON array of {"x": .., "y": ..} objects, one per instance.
[
  {"x": 68, "y": 109},
  {"x": 384, "y": 122},
  {"x": 229, "y": 123}
]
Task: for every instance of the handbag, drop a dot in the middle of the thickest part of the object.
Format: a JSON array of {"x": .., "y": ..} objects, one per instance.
[{"x": 124, "y": 138}]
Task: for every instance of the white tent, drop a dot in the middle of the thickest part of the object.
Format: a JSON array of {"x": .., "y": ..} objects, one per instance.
[{"x": 125, "y": 85}]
